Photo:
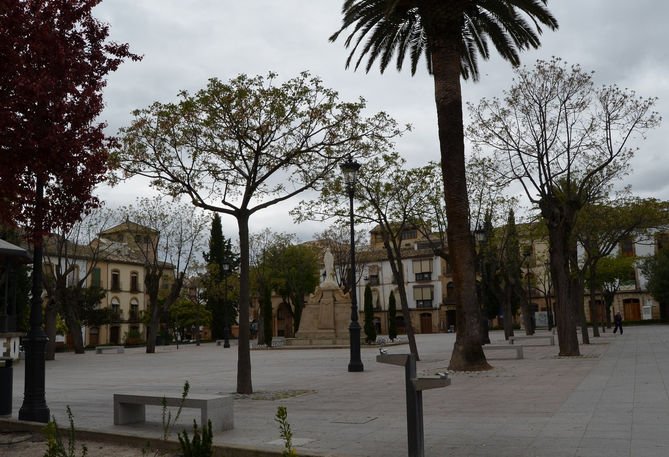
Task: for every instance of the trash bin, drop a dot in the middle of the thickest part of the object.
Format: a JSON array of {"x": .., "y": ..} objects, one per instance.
[{"x": 6, "y": 379}]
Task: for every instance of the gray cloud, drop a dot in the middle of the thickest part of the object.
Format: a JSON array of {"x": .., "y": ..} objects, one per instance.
[{"x": 184, "y": 43}]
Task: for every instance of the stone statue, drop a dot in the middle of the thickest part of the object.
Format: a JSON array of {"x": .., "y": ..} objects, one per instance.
[{"x": 328, "y": 259}]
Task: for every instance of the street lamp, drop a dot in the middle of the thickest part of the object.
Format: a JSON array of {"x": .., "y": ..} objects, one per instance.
[
  {"x": 349, "y": 170},
  {"x": 481, "y": 238},
  {"x": 226, "y": 323}
]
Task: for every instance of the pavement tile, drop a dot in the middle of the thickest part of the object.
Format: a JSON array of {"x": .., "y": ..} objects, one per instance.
[{"x": 610, "y": 402}]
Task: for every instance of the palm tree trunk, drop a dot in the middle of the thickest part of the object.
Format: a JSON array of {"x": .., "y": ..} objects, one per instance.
[{"x": 467, "y": 352}]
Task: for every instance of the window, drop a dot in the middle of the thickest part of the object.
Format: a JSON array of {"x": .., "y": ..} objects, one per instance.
[
  {"x": 73, "y": 277},
  {"x": 134, "y": 282},
  {"x": 134, "y": 309},
  {"x": 627, "y": 247},
  {"x": 115, "y": 280},
  {"x": 423, "y": 269},
  {"x": 95, "y": 278},
  {"x": 116, "y": 308},
  {"x": 373, "y": 280},
  {"x": 450, "y": 290},
  {"x": 423, "y": 296},
  {"x": 408, "y": 235}
]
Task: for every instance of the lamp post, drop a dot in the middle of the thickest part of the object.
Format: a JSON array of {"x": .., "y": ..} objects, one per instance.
[
  {"x": 226, "y": 323},
  {"x": 349, "y": 170},
  {"x": 481, "y": 237}
]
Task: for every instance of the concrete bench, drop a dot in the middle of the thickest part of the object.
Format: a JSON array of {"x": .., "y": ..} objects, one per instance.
[
  {"x": 518, "y": 349},
  {"x": 278, "y": 341},
  {"x": 551, "y": 338},
  {"x": 130, "y": 408},
  {"x": 114, "y": 349}
]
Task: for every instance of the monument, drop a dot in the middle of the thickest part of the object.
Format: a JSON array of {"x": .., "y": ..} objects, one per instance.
[{"x": 327, "y": 313}]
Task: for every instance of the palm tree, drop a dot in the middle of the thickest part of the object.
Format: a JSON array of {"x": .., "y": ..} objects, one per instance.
[{"x": 452, "y": 35}]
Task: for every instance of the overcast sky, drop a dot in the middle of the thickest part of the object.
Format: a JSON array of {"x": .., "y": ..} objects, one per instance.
[{"x": 186, "y": 42}]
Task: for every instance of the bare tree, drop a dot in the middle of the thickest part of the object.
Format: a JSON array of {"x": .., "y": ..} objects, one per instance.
[
  {"x": 166, "y": 236},
  {"x": 565, "y": 142},
  {"x": 70, "y": 257}
]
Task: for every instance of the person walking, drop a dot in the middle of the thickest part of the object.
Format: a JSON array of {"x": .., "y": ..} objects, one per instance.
[{"x": 618, "y": 321}]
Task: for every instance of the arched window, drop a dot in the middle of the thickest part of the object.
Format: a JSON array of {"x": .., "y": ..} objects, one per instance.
[
  {"x": 134, "y": 309},
  {"x": 115, "y": 280},
  {"x": 134, "y": 282},
  {"x": 116, "y": 308},
  {"x": 450, "y": 290}
]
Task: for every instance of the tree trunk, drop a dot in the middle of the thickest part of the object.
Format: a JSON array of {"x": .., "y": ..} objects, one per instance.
[
  {"x": 394, "y": 255},
  {"x": 244, "y": 384},
  {"x": 152, "y": 327},
  {"x": 74, "y": 326},
  {"x": 593, "y": 307},
  {"x": 558, "y": 238},
  {"x": 577, "y": 293},
  {"x": 50, "y": 322},
  {"x": 508, "y": 311}
]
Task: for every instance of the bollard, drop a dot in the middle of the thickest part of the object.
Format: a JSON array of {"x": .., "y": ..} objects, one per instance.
[
  {"x": 6, "y": 387},
  {"x": 414, "y": 397}
]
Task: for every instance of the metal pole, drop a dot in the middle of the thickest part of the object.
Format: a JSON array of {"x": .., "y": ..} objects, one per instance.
[
  {"x": 34, "y": 406},
  {"x": 355, "y": 363}
]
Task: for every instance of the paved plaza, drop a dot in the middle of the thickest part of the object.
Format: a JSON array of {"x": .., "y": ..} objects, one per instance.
[{"x": 612, "y": 401}]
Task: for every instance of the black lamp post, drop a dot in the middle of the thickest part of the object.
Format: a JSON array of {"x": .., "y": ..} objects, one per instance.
[
  {"x": 34, "y": 406},
  {"x": 226, "y": 323},
  {"x": 481, "y": 238},
  {"x": 349, "y": 170}
]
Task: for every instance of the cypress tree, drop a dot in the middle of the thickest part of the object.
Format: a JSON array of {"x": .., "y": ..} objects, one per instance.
[
  {"x": 392, "y": 313},
  {"x": 370, "y": 330},
  {"x": 215, "y": 258}
]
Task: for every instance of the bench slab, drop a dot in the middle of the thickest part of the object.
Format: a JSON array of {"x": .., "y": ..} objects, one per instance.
[
  {"x": 518, "y": 349},
  {"x": 115, "y": 349},
  {"x": 551, "y": 338},
  {"x": 130, "y": 407}
]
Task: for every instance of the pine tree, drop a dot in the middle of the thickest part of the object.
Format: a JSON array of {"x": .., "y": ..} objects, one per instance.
[
  {"x": 370, "y": 330},
  {"x": 392, "y": 313}
]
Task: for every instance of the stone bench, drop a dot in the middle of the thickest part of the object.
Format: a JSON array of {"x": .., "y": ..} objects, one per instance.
[
  {"x": 518, "y": 349},
  {"x": 130, "y": 407},
  {"x": 114, "y": 349},
  {"x": 551, "y": 338}
]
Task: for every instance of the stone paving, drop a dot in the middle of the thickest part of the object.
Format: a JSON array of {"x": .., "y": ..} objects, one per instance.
[{"x": 612, "y": 401}]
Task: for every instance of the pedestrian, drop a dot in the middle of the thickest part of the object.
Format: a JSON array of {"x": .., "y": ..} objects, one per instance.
[{"x": 618, "y": 321}]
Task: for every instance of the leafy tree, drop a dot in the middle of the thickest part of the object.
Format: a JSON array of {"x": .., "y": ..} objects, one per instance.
[
  {"x": 263, "y": 247},
  {"x": 451, "y": 35},
  {"x": 189, "y": 314},
  {"x": 386, "y": 198},
  {"x": 612, "y": 272},
  {"x": 226, "y": 146},
  {"x": 392, "y": 315},
  {"x": 601, "y": 227},
  {"x": 295, "y": 275},
  {"x": 53, "y": 150},
  {"x": 656, "y": 269},
  {"x": 166, "y": 237},
  {"x": 565, "y": 142},
  {"x": 370, "y": 329},
  {"x": 219, "y": 301}
]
